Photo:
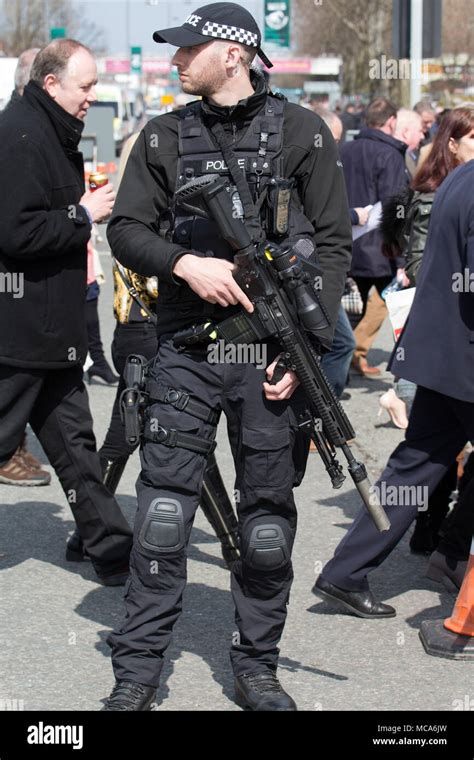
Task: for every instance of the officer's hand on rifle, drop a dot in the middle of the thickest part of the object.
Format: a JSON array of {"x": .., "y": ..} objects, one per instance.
[
  {"x": 212, "y": 280},
  {"x": 284, "y": 388}
]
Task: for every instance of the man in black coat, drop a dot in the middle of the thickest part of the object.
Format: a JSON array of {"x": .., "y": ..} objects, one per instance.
[
  {"x": 436, "y": 351},
  {"x": 374, "y": 168},
  {"x": 46, "y": 219}
]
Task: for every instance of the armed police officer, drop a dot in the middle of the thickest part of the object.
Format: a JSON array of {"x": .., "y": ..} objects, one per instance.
[{"x": 262, "y": 144}]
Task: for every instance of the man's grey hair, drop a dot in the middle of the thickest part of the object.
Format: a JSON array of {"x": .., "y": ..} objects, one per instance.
[
  {"x": 424, "y": 106},
  {"x": 329, "y": 117},
  {"x": 23, "y": 68},
  {"x": 406, "y": 118},
  {"x": 54, "y": 59}
]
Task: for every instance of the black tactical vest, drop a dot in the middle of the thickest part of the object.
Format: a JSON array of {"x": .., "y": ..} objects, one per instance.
[{"x": 259, "y": 153}]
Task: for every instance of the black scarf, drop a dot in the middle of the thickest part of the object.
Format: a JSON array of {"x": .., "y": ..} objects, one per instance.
[{"x": 67, "y": 127}]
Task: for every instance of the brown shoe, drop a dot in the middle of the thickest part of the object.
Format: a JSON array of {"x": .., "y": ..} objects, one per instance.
[
  {"x": 17, "y": 473},
  {"x": 360, "y": 365},
  {"x": 30, "y": 459}
]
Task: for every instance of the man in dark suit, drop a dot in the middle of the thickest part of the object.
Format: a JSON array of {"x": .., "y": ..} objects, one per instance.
[
  {"x": 436, "y": 351},
  {"x": 46, "y": 218}
]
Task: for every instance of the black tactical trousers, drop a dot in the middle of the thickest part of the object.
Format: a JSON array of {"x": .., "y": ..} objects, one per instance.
[{"x": 270, "y": 456}]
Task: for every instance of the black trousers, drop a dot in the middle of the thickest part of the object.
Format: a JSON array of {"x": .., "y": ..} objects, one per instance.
[
  {"x": 56, "y": 405},
  {"x": 270, "y": 456},
  {"x": 94, "y": 340},
  {"x": 136, "y": 337},
  {"x": 439, "y": 427},
  {"x": 458, "y": 528}
]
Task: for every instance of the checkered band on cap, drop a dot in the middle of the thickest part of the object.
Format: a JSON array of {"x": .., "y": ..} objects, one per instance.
[{"x": 224, "y": 32}]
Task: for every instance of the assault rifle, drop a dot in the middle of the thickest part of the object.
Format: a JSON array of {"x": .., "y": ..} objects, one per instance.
[{"x": 280, "y": 284}]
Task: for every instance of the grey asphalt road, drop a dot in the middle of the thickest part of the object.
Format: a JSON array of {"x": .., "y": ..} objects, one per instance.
[{"x": 53, "y": 654}]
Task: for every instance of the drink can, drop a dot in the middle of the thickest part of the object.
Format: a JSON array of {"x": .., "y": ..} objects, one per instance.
[{"x": 97, "y": 179}]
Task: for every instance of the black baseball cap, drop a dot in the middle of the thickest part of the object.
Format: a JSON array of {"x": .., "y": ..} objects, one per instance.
[{"x": 221, "y": 21}]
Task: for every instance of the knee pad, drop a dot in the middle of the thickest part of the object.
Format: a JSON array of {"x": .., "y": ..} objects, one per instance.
[
  {"x": 266, "y": 548},
  {"x": 163, "y": 528}
]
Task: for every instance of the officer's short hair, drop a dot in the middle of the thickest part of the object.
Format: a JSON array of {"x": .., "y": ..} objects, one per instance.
[
  {"x": 248, "y": 54},
  {"x": 54, "y": 58},
  {"x": 379, "y": 111}
]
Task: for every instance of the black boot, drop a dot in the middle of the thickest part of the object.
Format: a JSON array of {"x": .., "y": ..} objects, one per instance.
[
  {"x": 129, "y": 696},
  {"x": 216, "y": 506},
  {"x": 262, "y": 691},
  {"x": 112, "y": 471}
]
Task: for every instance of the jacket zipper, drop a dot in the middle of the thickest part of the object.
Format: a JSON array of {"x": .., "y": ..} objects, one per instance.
[{"x": 234, "y": 131}]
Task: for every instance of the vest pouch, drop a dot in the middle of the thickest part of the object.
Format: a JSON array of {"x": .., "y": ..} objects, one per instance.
[
  {"x": 200, "y": 235},
  {"x": 206, "y": 238}
]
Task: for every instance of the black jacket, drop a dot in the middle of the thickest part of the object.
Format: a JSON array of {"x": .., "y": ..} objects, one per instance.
[
  {"x": 149, "y": 182},
  {"x": 436, "y": 348},
  {"x": 374, "y": 168},
  {"x": 43, "y": 234}
]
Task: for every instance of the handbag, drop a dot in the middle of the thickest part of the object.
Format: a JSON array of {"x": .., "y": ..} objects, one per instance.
[
  {"x": 351, "y": 300},
  {"x": 399, "y": 304}
]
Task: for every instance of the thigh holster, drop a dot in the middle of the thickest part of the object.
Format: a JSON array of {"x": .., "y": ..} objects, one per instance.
[{"x": 181, "y": 401}]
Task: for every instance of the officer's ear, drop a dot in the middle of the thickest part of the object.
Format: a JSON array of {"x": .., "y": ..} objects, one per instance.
[{"x": 233, "y": 55}]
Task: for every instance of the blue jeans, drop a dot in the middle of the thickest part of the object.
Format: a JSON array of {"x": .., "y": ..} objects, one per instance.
[
  {"x": 336, "y": 363},
  {"x": 405, "y": 390}
]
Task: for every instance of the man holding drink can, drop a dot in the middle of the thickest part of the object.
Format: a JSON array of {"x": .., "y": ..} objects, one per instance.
[{"x": 46, "y": 217}]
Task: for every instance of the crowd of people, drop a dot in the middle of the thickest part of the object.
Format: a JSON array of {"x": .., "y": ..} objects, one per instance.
[{"x": 411, "y": 168}]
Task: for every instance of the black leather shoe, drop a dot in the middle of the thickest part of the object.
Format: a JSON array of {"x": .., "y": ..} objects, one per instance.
[
  {"x": 360, "y": 603},
  {"x": 262, "y": 691},
  {"x": 75, "y": 551},
  {"x": 130, "y": 696}
]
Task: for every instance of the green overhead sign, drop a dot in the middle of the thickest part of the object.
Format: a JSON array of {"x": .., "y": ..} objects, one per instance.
[
  {"x": 57, "y": 32},
  {"x": 136, "y": 60},
  {"x": 277, "y": 23}
]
